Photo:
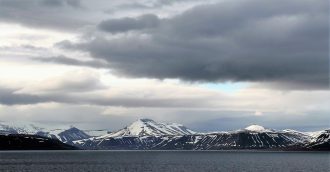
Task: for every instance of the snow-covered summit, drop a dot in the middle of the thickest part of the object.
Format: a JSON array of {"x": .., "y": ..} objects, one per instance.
[
  {"x": 257, "y": 128},
  {"x": 148, "y": 127},
  {"x": 19, "y": 127},
  {"x": 63, "y": 134}
]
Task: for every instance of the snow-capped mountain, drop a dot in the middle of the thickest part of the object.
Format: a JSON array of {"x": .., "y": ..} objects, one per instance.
[
  {"x": 321, "y": 141},
  {"x": 147, "y": 134},
  {"x": 72, "y": 134},
  {"x": 19, "y": 128},
  {"x": 65, "y": 135},
  {"x": 257, "y": 128},
  {"x": 148, "y": 127},
  {"x": 218, "y": 141}
]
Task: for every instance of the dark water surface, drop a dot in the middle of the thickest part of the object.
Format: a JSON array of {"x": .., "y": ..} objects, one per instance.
[{"x": 190, "y": 161}]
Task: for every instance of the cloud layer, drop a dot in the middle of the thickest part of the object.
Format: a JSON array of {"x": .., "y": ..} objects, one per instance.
[
  {"x": 285, "y": 42},
  {"x": 214, "y": 64},
  {"x": 127, "y": 24},
  {"x": 56, "y": 14}
]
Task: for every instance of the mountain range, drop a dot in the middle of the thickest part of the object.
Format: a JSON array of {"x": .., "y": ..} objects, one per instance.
[{"x": 146, "y": 134}]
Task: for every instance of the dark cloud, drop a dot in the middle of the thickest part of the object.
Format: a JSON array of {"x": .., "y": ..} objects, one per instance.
[
  {"x": 54, "y": 14},
  {"x": 74, "y": 82},
  {"x": 145, "y": 102},
  {"x": 142, "y": 5},
  {"x": 74, "y": 62},
  {"x": 70, "y": 82},
  {"x": 146, "y": 21},
  {"x": 61, "y": 3},
  {"x": 74, "y": 3},
  {"x": 285, "y": 42},
  {"x": 66, "y": 89},
  {"x": 9, "y": 97},
  {"x": 53, "y": 3},
  {"x": 72, "y": 93}
]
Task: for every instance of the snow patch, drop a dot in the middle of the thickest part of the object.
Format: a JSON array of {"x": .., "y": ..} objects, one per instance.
[
  {"x": 148, "y": 127},
  {"x": 256, "y": 128}
]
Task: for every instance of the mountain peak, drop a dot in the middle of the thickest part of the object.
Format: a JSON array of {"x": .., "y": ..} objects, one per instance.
[
  {"x": 255, "y": 127},
  {"x": 148, "y": 127}
]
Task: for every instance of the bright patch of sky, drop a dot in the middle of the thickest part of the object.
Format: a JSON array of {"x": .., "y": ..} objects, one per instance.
[{"x": 228, "y": 87}]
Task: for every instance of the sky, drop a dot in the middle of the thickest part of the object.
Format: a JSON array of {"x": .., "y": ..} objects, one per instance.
[{"x": 208, "y": 64}]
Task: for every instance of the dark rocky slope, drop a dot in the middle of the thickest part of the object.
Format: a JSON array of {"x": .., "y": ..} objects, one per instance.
[{"x": 31, "y": 142}]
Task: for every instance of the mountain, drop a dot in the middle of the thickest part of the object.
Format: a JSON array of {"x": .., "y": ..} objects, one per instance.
[
  {"x": 321, "y": 141},
  {"x": 257, "y": 128},
  {"x": 64, "y": 135},
  {"x": 31, "y": 142},
  {"x": 147, "y": 134},
  {"x": 72, "y": 134},
  {"x": 148, "y": 127},
  {"x": 19, "y": 128},
  {"x": 220, "y": 141}
]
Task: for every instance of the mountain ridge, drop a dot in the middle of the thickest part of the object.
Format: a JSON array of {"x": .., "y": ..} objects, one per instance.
[
  {"x": 146, "y": 134},
  {"x": 251, "y": 137},
  {"x": 148, "y": 127}
]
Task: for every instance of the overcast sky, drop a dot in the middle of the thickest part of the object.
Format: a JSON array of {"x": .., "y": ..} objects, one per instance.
[{"x": 208, "y": 64}]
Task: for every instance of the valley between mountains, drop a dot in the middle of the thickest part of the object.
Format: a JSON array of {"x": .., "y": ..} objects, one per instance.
[{"x": 146, "y": 134}]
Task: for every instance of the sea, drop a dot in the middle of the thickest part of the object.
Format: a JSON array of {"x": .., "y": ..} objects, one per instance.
[{"x": 164, "y": 161}]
